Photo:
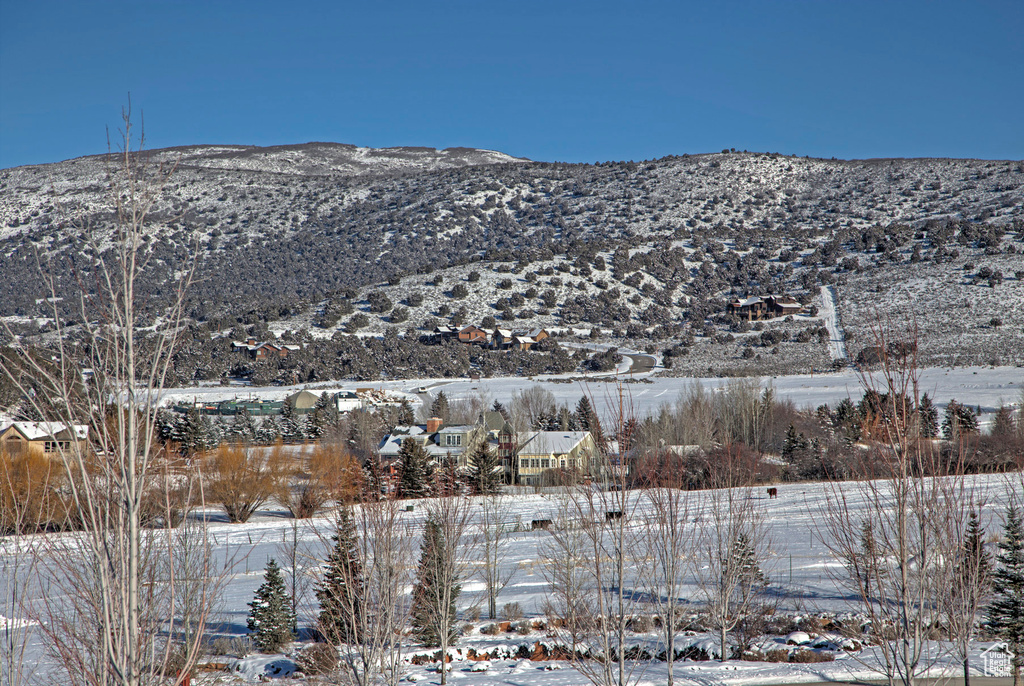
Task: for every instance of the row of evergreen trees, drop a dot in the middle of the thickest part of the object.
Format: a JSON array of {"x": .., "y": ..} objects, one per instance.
[
  {"x": 193, "y": 432},
  {"x": 419, "y": 477},
  {"x": 272, "y": 622}
]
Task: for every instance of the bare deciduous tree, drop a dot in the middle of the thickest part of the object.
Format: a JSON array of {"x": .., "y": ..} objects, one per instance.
[
  {"x": 597, "y": 565},
  {"x": 378, "y": 614},
  {"x": 106, "y": 621},
  {"x": 669, "y": 545},
  {"x": 897, "y": 534},
  {"x": 730, "y": 552},
  {"x": 495, "y": 513},
  {"x": 242, "y": 478}
]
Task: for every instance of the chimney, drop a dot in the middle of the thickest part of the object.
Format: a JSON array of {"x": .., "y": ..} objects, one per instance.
[
  {"x": 433, "y": 425},
  {"x": 252, "y": 341}
]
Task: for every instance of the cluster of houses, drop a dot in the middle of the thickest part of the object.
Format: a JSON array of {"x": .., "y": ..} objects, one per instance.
[
  {"x": 496, "y": 339},
  {"x": 523, "y": 456},
  {"x": 41, "y": 438},
  {"x": 754, "y": 308}
]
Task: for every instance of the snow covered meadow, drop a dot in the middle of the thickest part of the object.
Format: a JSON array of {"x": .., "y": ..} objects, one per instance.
[
  {"x": 811, "y": 606},
  {"x": 801, "y": 572}
]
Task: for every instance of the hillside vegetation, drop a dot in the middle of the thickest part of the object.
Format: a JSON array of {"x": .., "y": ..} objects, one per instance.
[{"x": 313, "y": 236}]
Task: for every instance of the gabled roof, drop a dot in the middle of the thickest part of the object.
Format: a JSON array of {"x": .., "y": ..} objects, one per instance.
[
  {"x": 392, "y": 443},
  {"x": 550, "y": 442},
  {"x": 455, "y": 429},
  {"x": 38, "y": 431},
  {"x": 746, "y": 302},
  {"x": 492, "y": 420}
]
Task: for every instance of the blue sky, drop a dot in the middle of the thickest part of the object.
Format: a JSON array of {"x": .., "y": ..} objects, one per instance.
[{"x": 570, "y": 81}]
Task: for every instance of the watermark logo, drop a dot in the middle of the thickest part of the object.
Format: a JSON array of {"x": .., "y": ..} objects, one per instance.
[{"x": 995, "y": 660}]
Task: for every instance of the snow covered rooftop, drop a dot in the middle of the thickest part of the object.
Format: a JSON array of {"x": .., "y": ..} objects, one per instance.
[
  {"x": 35, "y": 431},
  {"x": 550, "y": 442}
]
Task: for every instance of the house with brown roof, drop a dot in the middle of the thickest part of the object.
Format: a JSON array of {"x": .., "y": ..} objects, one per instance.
[{"x": 473, "y": 334}]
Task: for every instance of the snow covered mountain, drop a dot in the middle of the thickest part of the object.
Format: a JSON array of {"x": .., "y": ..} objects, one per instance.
[{"x": 294, "y": 233}]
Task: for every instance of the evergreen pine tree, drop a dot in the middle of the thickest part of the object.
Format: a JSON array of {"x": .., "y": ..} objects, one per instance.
[
  {"x": 268, "y": 431},
  {"x": 439, "y": 408},
  {"x": 426, "y": 595},
  {"x": 929, "y": 417},
  {"x": 324, "y": 414},
  {"x": 960, "y": 420},
  {"x": 271, "y": 619},
  {"x": 793, "y": 443},
  {"x": 406, "y": 416},
  {"x": 416, "y": 473},
  {"x": 341, "y": 591},
  {"x": 210, "y": 434},
  {"x": 187, "y": 432},
  {"x": 970, "y": 585},
  {"x": 1006, "y": 613},
  {"x": 1003, "y": 423},
  {"x": 585, "y": 415},
  {"x": 243, "y": 426},
  {"x": 291, "y": 424},
  {"x": 847, "y": 419},
  {"x": 588, "y": 421},
  {"x": 483, "y": 477},
  {"x": 500, "y": 409},
  {"x": 976, "y": 560},
  {"x": 745, "y": 560},
  {"x": 868, "y": 567}
]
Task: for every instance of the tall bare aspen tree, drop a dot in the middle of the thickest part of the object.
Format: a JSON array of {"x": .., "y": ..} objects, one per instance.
[{"x": 112, "y": 593}]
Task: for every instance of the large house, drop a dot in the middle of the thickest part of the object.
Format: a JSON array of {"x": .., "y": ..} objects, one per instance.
[
  {"x": 523, "y": 457},
  {"x": 503, "y": 339},
  {"x": 539, "y": 451},
  {"x": 43, "y": 438},
  {"x": 264, "y": 350},
  {"x": 753, "y": 308},
  {"x": 442, "y": 443},
  {"x": 473, "y": 334},
  {"x": 347, "y": 401}
]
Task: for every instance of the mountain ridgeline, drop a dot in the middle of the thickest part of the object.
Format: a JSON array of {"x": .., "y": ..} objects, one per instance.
[{"x": 316, "y": 234}]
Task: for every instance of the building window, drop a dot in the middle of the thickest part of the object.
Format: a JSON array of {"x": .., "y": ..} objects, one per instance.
[{"x": 453, "y": 439}]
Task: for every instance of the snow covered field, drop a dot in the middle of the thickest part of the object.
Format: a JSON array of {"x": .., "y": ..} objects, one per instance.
[
  {"x": 987, "y": 387},
  {"x": 797, "y": 563}
]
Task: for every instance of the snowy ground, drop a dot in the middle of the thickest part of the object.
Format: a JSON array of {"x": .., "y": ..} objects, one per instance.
[
  {"x": 984, "y": 387},
  {"x": 797, "y": 562},
  {"x": 830, "y": 315}
]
